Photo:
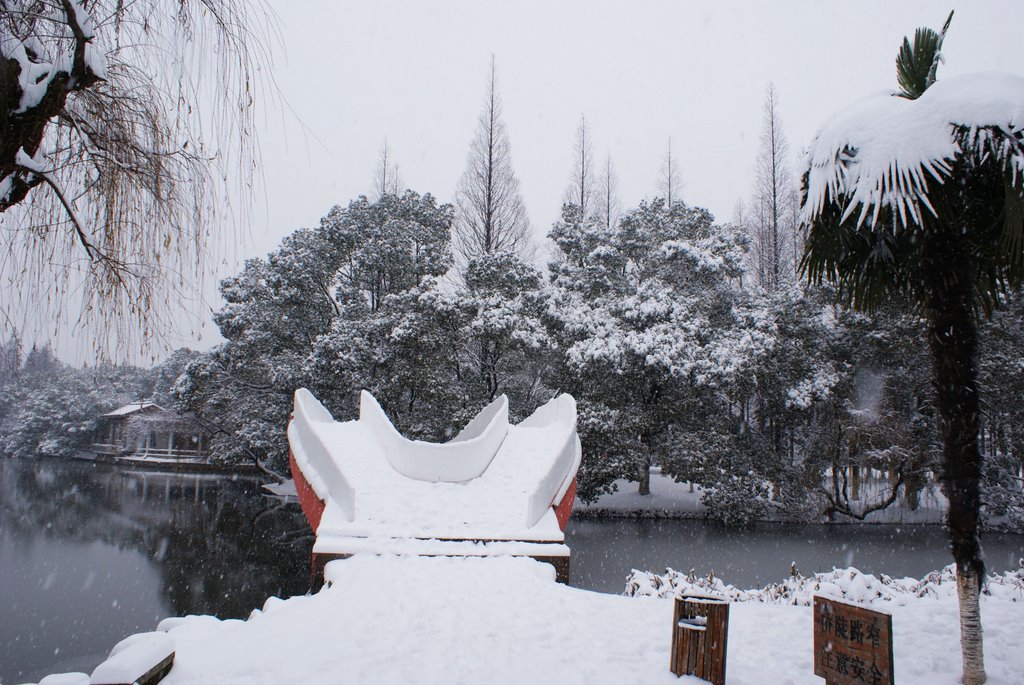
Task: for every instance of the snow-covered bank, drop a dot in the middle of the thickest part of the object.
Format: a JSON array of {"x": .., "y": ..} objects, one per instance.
[
  {"x": 504, "y": 620},
  {"x": 848, "y": 584},
  {"x": 669, "y": 499}
]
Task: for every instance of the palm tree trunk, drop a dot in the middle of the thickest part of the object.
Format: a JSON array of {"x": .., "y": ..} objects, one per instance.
[
  {"x": 952, "y": 338},
  {"x": 968, "y": 587}
]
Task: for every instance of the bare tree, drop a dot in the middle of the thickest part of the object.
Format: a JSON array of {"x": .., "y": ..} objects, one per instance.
[
  {"x": 581, "y": 190},
  {"x": 775, "y": 203},
  {"x": 121, "y": 157},
  {"x": 739, "y": 213},
  {"x": 670, "y": 183},
  {"x": 386, "y": 180},
  {"x": 490, "y": 214},
  {"x": 608, "y": 194}
]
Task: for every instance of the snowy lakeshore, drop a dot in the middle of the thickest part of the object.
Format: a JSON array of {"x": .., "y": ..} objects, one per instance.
[
  {"x": 504, "y": 620},
  {"x": 673, "y": 500}
]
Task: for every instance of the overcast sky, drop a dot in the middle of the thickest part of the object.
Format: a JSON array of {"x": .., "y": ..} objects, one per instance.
[{"x": 353, "y": 73}]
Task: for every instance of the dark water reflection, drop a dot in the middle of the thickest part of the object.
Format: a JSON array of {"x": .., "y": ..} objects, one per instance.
[
  {"x": 604, "y": 551},
  {"x": 90, "y": 554}
]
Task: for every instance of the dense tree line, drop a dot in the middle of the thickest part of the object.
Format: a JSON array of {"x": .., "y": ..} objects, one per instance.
[
  {"x": 772, "y": 400},
  {"x": 688, "y": 343},
  {"x": 50, "y": 408}
]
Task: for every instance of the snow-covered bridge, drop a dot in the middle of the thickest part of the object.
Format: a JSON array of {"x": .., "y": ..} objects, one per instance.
[{"x": 494, "y": 489}]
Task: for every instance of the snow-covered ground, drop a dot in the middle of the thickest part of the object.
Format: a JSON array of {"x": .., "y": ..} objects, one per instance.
[
  {"x": 669, "y": 499},
  {"x": 504, "y": 620}
]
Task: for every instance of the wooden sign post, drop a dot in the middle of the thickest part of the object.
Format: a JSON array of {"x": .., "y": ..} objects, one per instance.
[
  {"x": 700, "y": 628},
  {"x": 852, "y": 645}
]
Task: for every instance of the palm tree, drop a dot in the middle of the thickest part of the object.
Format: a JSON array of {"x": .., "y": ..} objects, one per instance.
[{"x": 921, "y": 194}]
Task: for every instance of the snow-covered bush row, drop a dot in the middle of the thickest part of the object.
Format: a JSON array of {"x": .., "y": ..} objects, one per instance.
[{"x": 846, "y": 583}]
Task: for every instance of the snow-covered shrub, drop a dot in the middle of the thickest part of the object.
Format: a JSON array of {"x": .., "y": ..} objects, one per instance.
[
  {"x": 736, "y": 500},
  {"x": 848, "y": 584}
]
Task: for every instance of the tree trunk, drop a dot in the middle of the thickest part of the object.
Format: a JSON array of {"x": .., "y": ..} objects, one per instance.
[
  {"x": 913, "y": 498},
  {"x": 645, "y": 477},
  {"x": 952, "y": 338},
  {"x": 968, "y": 587}
]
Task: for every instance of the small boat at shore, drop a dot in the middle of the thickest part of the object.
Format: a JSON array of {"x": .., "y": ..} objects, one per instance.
[{"x": 494, "y": 489}]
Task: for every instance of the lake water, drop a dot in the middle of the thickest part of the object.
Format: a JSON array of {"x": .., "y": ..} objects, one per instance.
[
  {"x": 90, "y": 554},
  {"x": 603, "y": 551}
]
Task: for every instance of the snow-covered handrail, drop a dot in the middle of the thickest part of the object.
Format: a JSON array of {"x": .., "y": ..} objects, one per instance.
[
  {"x": 483, "y": 421},
  {"x": 307, "y": 446},
  {"x": 561, "y": 409},
  {"x": 462, "y": 459}
]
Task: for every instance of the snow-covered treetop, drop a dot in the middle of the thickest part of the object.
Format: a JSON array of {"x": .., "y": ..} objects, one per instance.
[{"x": 885, "y": 150}]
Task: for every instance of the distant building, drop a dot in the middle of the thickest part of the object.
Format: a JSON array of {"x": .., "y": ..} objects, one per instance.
[{"x": 144, "y": 430}]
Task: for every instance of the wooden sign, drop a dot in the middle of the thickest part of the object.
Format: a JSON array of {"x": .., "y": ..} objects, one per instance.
[
  {"x": 700, "y": 631},
  {"x": 852, "y": 645}
]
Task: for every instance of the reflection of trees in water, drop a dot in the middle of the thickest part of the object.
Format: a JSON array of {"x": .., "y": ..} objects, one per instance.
[{"x": 220, "y": 545}]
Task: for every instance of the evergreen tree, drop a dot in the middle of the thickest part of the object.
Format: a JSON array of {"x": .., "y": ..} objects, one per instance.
[
  {"x": 10, "y": 360},
  {"x": 506, "y": 339},
  {"x": 643, "y": 314},
  {"x": 345, "y": 306},
  {"x": 54, "y": 409},
  {"x": 1001, "y": 385}
]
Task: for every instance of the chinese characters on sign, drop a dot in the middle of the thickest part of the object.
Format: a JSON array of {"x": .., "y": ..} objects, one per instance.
[{"x": 852, "y": 645}]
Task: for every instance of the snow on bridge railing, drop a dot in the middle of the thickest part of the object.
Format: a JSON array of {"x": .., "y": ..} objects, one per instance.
[
  {"x": 302, "y": 434},
  {"x": 461, "y": 459},
  {"x": 556, "y": 481}
]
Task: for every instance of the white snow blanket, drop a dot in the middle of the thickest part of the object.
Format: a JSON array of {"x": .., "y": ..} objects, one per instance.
[
  {"x": 386, "y": 619},
  {"x": 494, "y": 481},
  {"x": 132, "y": 658}
]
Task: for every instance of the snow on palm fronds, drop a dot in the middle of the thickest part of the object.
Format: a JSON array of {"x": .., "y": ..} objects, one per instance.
[
  {"x": 847, "y": 584},
  {"x": 886, "y": 151}
]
